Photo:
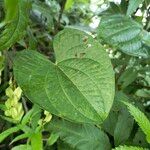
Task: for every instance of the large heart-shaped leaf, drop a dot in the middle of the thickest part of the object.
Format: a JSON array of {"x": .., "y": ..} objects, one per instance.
[{"x": 78, "y": 87}]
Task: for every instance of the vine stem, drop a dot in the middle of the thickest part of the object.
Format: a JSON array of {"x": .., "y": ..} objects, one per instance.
[{"x": 63, "y": 3}]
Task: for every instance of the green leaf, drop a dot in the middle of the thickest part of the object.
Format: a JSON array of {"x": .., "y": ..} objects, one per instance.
[
  {"x": 44, "y": 12},
  {"x": 140, "y": 139},
  {"x": 2, "y": 59},
  {"x": 143, "y": 93},
  {"x": 11, "y": 9},
  {"x": 128, "y": 148},
  {"x": 123, "y": 127},
  {"x": 35, "y": 116},
  {"x": 133, "y": 5},
  {"x": 146, "y": 38},
  {"x": 22, "y": 147},
  {"x": 69, "y": 4},
  {"x": 15, "y": 23},
  {"x": 7, "y": 132},
  {"x": 114, "y": 116},
  {"x": 9, "y": 119},
  {"x": 53, "y": 138},
  {"x": 2, "y": 107},
  {"x": 63, "y": 146},
  {"x": 110, "y": 123},
  {"x": 125, "y": 34},
  {"x": 141, "y": 119},
  {"x": 78, "y": 87},
  {"x": 27, "y": 117},
  {"x": 127, "y": 77},
  {"x": 36, "y": 141},
  {"x": 80, "y": 136},
  {"x": 20, "y": 137}
]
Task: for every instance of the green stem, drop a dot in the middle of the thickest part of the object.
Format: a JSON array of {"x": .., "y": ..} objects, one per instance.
[{"x": 36, "y": 141}]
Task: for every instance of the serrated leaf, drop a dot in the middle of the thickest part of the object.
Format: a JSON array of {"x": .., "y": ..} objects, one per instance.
[
  {"x": 78, "y": 87},
  {"x": 129, "y": 148},
  {"x": 133, "y": 5},
  {"x": 80, "y": 136},
  {"x": 15, "y": 24},
  {"x": 125, "y": 34},
  {"x": 141, "y": 119}
]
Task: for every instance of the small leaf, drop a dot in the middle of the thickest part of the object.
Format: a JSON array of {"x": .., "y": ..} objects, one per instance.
[
  {"x": 143, "y": 93},
  {"x": 53, "y": 138},
  {"x": 9, "y": 119},
  {"x": 20, "y": 137},
  {"x": 133, "y": 5},
  {"x": 127, "y": 77},
  {"x": 27, "y": 117},
  {"x": 7, "y": 132}
]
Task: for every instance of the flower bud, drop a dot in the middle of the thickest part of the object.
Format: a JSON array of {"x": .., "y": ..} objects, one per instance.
[
  {"x": 8, "y": 104},
  {"x": 7, "y": 113},
  {"x": 48, "y": 118},
  {"x": 9, "y": 92},
  {"x": 14, "y": 113},
  {"x": 18, "y": 92},
  {"x": 14, "y": 107}
]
